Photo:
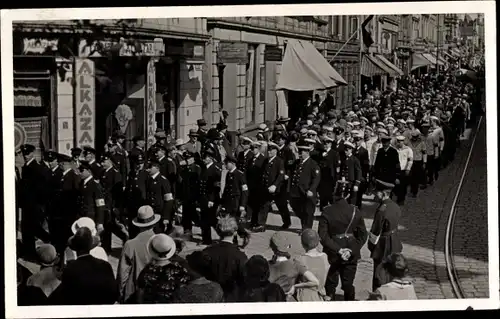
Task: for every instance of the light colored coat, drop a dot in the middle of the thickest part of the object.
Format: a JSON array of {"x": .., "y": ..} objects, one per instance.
[{"x": 134, "y": 258}]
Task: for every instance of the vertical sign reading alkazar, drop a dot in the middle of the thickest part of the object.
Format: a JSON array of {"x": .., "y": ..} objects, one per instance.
[
  {"x": 151, "y": 103},
  {"x": 84, "y": 103}
]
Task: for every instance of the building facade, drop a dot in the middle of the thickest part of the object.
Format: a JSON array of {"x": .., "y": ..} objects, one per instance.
[
  {"x": 78, "y": 81},
  {"x": 345, "y": 36},
  {"x": 244, "y": 59}
]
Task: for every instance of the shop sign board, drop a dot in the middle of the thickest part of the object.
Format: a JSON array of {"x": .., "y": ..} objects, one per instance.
[
  {"x": 99, "y": 48},
  {"x": 273, "y": 53},
  {"x": 85, "y": 102},
  {"x": 38, "y": 45},
  {"x": 232, "y": 52},
  {"x": 150, "y": 103},
  {"x": 403, "y": 52}
]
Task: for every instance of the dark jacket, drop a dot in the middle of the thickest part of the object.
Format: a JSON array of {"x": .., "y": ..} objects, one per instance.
[
  {"x": 341, "y": 225},
  {"x": 86, "y": 281},
  {"x": 226, "y": 268}
]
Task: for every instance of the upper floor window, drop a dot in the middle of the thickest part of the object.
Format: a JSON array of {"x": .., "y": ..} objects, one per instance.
[{"x": 354, "y": 27}]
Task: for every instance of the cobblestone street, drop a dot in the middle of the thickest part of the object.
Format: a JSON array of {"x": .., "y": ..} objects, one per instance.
[{"x": 470, "y": 240}]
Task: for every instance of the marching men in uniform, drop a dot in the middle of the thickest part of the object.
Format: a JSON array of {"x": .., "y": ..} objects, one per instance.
[
  {"x": 271, "y": 183},
  {"x": 304, "y": 184},
  {"x": 209, "y": 199},
  {"x": 91, "y": 197}
]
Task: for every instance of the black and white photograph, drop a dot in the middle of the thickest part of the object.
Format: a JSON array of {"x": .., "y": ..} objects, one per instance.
[{"x": 219, "y": 156}]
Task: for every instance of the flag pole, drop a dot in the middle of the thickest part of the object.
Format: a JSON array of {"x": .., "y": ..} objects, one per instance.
[
  {"x": 350, "y": 38},
  {"x": 360, "y": 90}
]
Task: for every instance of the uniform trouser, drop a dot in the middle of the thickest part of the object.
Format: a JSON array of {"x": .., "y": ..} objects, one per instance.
[
  {"x": 325, "y": 191},
  {"x": 347, "y": 273},
  {"x": 254, "y": 203},
  {"x": 260, "y": 218},
  {"x": 401, "y": 189},
  {"x": 31, "y": 228},
  {"x": 60, "y": 231},
  {"x": 111, "y": 227},
  {"x": 189, "y": 214},
  {"x": 417, "y": 176},
  {"x": 304, "y": 208},
  {"x": 429, "y": 170},
  {"x": 208, "y": 219},
  {"x": 281, "y": 201},
  {"x": 363, "y": 186}
]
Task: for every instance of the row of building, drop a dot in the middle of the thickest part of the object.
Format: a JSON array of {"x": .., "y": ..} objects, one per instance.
[{"x": 76, "y": 82}]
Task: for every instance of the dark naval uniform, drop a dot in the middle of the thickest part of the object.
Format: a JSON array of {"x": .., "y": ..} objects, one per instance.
[
  {"x": 65, "y": 209},
  {"x": 281, "y": 199},
  {"x": 387, "y": 167},
  {"x": 341, "y": 225},
  {"x": 254, "y": 181},
  {"x": 53, "y": 188},
  {"x": 244, "y": 160},
  {"x": 235, "y": 193},
  {"x": 362, "y": 154},
  {"x": 351, "y": 171},
  {"x": 112, "y": 185},
  {"x": 330, "y": 168},
  {"x": 383, "y": 237},
  {"x": 32, "y": 201},
  {"x": 159, "y": 197},
  {"x": 306, "y": 177},
  {"x": 135, "y": 195},
  {"x": 273, "y": 176},
  {"x": 190, "y": 191},
  {"x": 91, "y": 201},
  {"x": 210, "y": 178}
]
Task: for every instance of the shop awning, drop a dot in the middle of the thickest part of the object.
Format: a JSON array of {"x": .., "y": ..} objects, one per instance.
[
  {"x": 419, "y": 61},
  {"x": 371, "y": 67},
  {"x": 441, "y": 58},
  {"x": 305, "y": 69},
  {"x": 396, "y": 71},
  {"x": 456, "y": 52},
  {"x": 447, "y": 55},
  {"x": 431, "y": 59}
]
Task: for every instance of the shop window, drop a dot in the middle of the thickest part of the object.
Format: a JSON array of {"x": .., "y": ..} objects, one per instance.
[
  {"x": 354, "y": 27},
  {"x": 31, "y": 96},
  {"x": 220, "y": 72}
]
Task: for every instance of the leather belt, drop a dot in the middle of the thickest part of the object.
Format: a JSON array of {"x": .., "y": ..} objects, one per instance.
[{"x": 342, "y": 236}]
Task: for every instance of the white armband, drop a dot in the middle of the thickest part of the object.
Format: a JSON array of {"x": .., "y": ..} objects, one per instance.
[{"x": 373, "y": 238}]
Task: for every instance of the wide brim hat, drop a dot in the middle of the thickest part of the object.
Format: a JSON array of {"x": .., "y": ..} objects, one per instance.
[
  {"x": 84, "y": 222},
  {"x": 159, "y": 244},
  {"x": 193, "y": 132},
  {"x": 160, "y": 135},
  {"x": 146, "y": 217},
  {"x": 283, "y": 119}
]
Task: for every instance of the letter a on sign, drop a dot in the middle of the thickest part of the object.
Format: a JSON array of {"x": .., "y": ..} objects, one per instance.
[{"x": 85, "y": 103}]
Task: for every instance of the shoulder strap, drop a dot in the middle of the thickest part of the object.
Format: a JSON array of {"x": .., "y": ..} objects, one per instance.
[{"x": 352, "y": 219}]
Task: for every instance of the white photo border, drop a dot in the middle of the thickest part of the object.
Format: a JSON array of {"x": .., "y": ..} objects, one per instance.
[{"x": 460, "y": 7}]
